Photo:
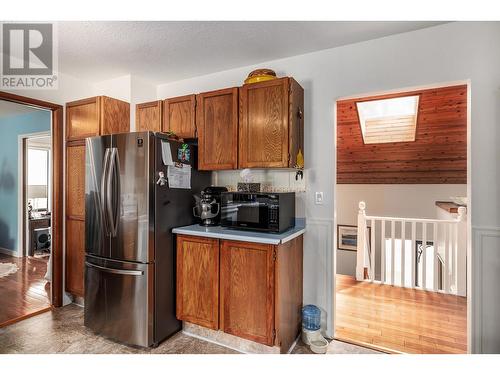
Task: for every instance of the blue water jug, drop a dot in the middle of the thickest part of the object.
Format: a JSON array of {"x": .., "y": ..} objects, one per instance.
[{"x": 311, "y": 317}]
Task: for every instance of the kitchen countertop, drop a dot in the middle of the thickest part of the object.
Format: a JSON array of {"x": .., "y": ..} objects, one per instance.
[{"x": 244, "y": 235}]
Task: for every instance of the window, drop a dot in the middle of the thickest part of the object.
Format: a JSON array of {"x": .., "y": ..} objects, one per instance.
[
  {"x": 388, "y": 120},
  {"x": 38, "y": 178}
]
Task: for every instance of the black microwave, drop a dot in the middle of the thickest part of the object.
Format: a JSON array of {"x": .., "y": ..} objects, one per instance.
[{"x": 268, "y": 212}]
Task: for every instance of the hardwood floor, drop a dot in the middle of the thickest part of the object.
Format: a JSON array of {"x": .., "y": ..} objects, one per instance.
[
  {"x": 25, "y": 292},
  {"x": 400, "y": 319}
]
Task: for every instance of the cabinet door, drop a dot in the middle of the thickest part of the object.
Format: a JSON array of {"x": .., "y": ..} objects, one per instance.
[
  {"x": 179, "y": 116},
  {"x": 82, "y": 119},
  {"x": 198, "y": 280},
  {"x": 75, "y": 217},
  {"x": 148, "y": 116},
  {"x": 247, "y": 290},
  {"x": 75, "y": 256},
  {"x": 217, "y": 126},
  {"x": 75, "y": 180},
  {"x": 288, "y": 292},
  {"x": 263, "y": 139},
  {"x": 115, "y": 116}
]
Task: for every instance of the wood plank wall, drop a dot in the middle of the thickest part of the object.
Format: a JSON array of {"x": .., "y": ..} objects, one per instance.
[{"x": 437, "y": 156}]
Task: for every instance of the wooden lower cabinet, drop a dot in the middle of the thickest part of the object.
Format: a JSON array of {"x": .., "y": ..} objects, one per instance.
[
  {"x": 198, "y": 280},
  {"x": 75, "y": 217},
  {"x": 246, "y": 289},
  {"x": 288, "y": 293},
  {"x": 75, "y": 256}
]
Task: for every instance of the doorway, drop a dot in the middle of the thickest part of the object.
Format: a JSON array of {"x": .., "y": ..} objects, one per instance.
[
  {"x": 402, "y": 180},
  {"x": 31, "y": 186},
  {"x": 35, "y": 187}
]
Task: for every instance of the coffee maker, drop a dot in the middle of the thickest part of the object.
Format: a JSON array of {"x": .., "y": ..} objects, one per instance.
[{"x": 208, "y": 206}]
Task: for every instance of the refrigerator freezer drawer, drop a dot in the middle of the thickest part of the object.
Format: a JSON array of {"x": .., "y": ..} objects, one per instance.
[{"x": 119, "y": 301}]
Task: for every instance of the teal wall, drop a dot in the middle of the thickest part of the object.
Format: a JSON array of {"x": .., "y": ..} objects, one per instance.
[{"x": 10, "y": 128}]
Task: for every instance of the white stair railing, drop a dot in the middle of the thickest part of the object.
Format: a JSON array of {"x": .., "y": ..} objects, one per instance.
[{"x": 412, "y": 252}]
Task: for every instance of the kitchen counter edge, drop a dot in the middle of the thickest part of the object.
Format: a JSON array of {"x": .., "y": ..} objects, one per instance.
[{"x": 243, "y": 235}]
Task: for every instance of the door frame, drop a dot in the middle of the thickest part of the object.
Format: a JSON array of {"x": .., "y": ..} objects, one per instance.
[
  {"x": 22, "y": 220},
  {"x": 57, "y": 131},
  {"x": 471, "y": 310}
]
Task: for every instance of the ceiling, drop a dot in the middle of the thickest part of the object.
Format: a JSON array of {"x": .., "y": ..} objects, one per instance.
[
  {"x": 13, "y": 109},
  {"x": 163, "y": 52}
]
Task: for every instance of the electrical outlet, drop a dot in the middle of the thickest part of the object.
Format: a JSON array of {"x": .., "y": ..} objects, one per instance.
[{"x": 318, "y": 197}]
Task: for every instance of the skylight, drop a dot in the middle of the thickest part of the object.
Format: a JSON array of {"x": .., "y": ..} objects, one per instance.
[{"x": 388, "y": 120}]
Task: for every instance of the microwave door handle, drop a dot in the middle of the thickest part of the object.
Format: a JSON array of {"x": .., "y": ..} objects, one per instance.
[{"x": 104, "y": 194}]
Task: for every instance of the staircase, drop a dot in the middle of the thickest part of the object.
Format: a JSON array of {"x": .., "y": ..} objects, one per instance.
[{"x": 415, "y": 253}]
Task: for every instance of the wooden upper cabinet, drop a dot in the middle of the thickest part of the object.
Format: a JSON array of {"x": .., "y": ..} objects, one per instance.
[
  {"x": 95, "y": 116},
  {"x": 82, "y": 119},
  {"x": 115, "y": 116},
  {"x": 148, "y": 116},
  {"x": 179, "y": 116},
  {"x": 217, "y": 127},
  {"x": 198, "y": 280},
  {"x": 247, "y": 290},
  {"x": 269, "y": 124}
]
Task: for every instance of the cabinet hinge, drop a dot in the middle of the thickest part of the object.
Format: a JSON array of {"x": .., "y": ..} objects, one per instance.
[
  {"x": 274, "y": 334},
  {"x": 274, "y": 255}
]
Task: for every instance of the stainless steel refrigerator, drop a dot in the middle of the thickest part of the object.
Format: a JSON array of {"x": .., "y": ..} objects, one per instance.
[{"x": 130, "y": 251}]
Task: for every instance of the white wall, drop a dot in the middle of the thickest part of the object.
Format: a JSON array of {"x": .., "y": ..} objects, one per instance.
[
  {"x": 445, "y": 53},
  {"x": 393, "y": 200},
  {"x": 128, "y": 88},
  {"x": 388, "y": 200},
  {"x": 119, "y": 88},
  {"x": 141, "y": 92}
]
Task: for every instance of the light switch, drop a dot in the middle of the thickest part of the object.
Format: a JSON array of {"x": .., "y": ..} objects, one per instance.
[{"x": 318, "y": 197}]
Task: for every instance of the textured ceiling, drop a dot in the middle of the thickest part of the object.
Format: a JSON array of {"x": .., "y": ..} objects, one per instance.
[{"x": 168, "y": 51}]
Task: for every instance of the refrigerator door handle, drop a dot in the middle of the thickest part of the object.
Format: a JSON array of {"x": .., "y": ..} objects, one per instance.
[
  {"x": 104, "y": 186},
  {"x": 113, "y": 192},
  {"x": 115, "y": 270}
]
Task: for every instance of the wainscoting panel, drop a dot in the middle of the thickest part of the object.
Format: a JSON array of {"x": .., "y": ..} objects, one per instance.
[
  {"x": 485, "y": 311},
  {"x": 318, "y": 253}
]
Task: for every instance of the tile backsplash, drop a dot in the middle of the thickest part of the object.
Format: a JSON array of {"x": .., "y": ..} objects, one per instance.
[{"x": 271, "y": 180}]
